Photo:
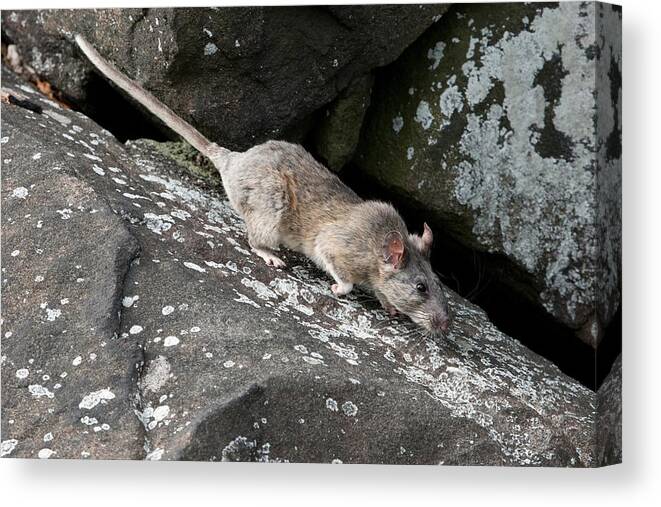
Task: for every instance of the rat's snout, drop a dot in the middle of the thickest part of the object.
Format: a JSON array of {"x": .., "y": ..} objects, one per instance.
[{"x": 440, "y": 322}]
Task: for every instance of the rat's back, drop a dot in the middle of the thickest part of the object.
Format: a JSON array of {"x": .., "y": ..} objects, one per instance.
[{"x": 279, "y": 185}]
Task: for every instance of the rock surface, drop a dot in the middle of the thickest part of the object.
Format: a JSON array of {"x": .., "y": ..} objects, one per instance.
[
  {"x": 240, "y": 75},
  {"x": 337, "y": 135},
  {"x": 177, "y": 343},
  {"x": 492, "y": 121},
  {"x": 609, "y": 418}
]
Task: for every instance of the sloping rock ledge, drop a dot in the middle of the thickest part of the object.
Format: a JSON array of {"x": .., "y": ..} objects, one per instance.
[{"x": 136, "y": 324}]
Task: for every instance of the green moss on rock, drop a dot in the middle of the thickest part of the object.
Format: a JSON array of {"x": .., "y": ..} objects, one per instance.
[{"x": 189, "y": 159}]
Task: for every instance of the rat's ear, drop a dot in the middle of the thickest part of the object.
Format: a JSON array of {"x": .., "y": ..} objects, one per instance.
[
  {"x": 423, "y": 243},
  {"x": 427, "y": 239},
  {"x": 394, "y": 250}
]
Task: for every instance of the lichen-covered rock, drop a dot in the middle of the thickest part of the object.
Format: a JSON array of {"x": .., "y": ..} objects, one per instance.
[
  {"x": 203, "y": 352},
  {"x": 189, "y": 159},
  {"x": 241, "y": 75},
  {"x": 609, "y": 418},
  {"x": 492, "y": 121},
  {"x": 67, "y": 375}
]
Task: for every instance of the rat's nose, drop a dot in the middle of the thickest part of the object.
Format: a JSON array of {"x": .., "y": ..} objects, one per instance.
[{"x": 440, "y": 322}]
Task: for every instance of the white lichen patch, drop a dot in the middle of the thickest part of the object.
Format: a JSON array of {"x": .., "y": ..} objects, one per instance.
[
  {"x": 65, "y": 214},
  {"x": 450, "y": 102},
  {"x": 8, "y": 446},
  {"x": 194, "y": 267},
  {"x": 261, "y": 290},
  {"x": 20, "y": 193},
  {"x": 160, "y": 413},
  {"x": 92, "y": 399},
  {"x": 423, "y": 115},
  {"x": 155, "y": 455},
  {"x": 38, "y": 391},
  {"x": 291, "y": 291},
  {"x": 45, "y": 453},
  {"x": 158, "y": 224},
  {"x": 53, "y": 313},
  {"x": 349, "y": 408},
  {"x": 157, "y": 374},
  {"x": 435, "y": 54},
  {"x": 245, "y": 299},
  {"x": 410, "y": 151},
  {"x": 180, "y": 214},
  {"x": 88, "y": 421},
  {"x": 128, "y": 301},
  {"x": 60, "y": 118},
  {"x": 331, "y": 404},
  {"x": 170, "y": 341},
  {"x": 210, "y": 48},
  {"x": 397, "y": 123}
]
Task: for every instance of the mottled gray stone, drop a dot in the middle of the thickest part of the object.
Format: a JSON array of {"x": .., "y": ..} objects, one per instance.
[
  {"x": 609, "y": 418},
  {"x": 241, "y": 75},
  {"x": 492, "y": 122},
  {"x": 66, "y": 374},
  {"x": 337, "y": 135},
  {"x": 220, "y": 357},
  {"x": 608, "y": 213}
]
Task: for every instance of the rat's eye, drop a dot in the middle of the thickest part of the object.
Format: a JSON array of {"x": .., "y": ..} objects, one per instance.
[{"x": 421, "y": 287}]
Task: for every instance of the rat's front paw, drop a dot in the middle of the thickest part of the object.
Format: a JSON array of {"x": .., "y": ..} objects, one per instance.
[
  {"x": 341, "y": 289},
  {"x": 392, "y": 311},
  {"x": 276, "y": 262}
]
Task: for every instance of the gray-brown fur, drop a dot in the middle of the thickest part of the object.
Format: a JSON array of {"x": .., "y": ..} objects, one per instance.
[{"x": 289, "y": 199}]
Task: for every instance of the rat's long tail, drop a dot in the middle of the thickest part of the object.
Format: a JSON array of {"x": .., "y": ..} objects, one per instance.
[{"x": 153, "y": 105}]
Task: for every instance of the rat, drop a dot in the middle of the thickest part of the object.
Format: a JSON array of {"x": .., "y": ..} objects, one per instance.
[{"x": 287, "y": 198}]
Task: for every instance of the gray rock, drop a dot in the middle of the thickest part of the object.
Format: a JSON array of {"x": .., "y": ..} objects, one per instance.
[
  {"x": 492, "y": 122},
  {"x": 66, "y": 374},
  {"x": 609, "y": 418},
  {"x": 338, "y": 132},
  {"x": 218, "y": 357},
  {"x": 241, "y": 75}
]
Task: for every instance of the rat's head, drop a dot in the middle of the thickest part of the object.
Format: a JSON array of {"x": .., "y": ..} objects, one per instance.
[{"x": 410, "y": 285}]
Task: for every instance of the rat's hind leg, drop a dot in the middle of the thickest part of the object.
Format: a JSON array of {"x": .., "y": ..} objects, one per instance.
[
  {"x": 260, "y": 197},
  {"x": 264, "y": 240}
]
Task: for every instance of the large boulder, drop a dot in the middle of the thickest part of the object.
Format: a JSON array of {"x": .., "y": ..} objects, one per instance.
[
  {"x": 134, "y": 280},
  {"x": 504, "y": 123},
  {"x": 67, "y": 375},
  {"x": 241, "y": 75}
]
